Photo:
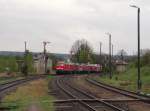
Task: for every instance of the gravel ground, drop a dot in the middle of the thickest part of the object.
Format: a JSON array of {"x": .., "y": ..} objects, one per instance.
[
  {"x": 34, "y": 107},
  {"x": 101, "y": 93},
  {"x": 60, "y": 95}
]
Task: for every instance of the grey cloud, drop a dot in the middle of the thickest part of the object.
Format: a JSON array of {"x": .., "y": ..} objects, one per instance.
[{"x": 63, "y": 22}]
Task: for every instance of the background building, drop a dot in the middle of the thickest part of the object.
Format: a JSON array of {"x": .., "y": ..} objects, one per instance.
[{"x": 39, "y": 64}]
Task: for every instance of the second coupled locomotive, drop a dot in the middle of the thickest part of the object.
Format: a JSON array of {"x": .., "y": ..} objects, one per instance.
[{"x": 72, "y": 68}]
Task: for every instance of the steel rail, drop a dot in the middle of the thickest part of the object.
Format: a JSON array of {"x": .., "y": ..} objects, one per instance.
[
  {"x": 11, "y": 84},
  {"x": 4, "y": 87},
  {"x": 94, "y": 98},
  {"x": 101, "y": 101},
  {"x": 70, "y": 94},
  {"x": 120, "y": 91}
]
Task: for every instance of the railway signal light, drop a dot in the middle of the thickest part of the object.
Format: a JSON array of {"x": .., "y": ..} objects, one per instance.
[{"x": 45, "y": 55}]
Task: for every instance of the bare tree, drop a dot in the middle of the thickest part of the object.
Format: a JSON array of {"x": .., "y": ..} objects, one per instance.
[{"x": 81, "y": 52}]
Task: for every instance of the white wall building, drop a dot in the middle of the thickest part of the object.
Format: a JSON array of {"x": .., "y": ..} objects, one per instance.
[{"x": 39, "y": 64}]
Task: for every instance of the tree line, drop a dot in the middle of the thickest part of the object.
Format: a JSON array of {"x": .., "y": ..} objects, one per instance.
[{"x": 82, "y": 52}]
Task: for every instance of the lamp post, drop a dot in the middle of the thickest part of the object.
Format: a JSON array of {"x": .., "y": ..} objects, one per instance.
[
  {"x": 139, "y": 82},
  {"x": 110, "y": 65}
]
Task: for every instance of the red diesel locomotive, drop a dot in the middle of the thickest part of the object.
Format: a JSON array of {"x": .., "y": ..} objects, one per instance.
[{"x": 72, "y": 68}]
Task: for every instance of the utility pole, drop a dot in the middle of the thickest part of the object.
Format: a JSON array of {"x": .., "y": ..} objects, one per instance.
[
  {"x": 78, "y": 53},
  {"x": 45, "y": 56},
  {"x": 25, "y": 66},
  {"x": 112, "y": 50},
  {"x": 110, "y": 64},
  {"x": 25, "y": 43},
  {"x": 139, "y": 82},
  {"x": 100, "y": 48},
  {"x": 100, "y": 53}
]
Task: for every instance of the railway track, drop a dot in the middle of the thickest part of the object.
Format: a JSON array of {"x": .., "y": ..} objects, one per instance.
[
  {"x": 9, "y": 85},
  {"x": 88, "y": 101},
  {"x": 130, "y": 94}
]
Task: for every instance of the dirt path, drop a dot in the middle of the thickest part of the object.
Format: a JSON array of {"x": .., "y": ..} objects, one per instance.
[{"x": 34, "y": 107}]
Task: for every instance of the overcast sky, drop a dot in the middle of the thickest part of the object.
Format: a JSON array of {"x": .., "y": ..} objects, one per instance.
[{"x": 62, "y": 22}]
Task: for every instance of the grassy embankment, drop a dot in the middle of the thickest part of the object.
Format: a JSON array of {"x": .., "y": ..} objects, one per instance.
[
  {"x": 128, "y": 79},
  {"x": 32, "y": 94}
]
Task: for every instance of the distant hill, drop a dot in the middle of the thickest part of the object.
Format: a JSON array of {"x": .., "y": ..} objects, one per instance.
[
  {"x": 62, "y": 56},
  {"x": 11, "y": 53},
  {"x": 15, "y": 53}
]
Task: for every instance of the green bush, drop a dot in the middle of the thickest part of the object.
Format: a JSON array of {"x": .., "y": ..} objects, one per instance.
[
  {"x": 145, "y": 60},
  {"x": 8, "y": 61}
]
